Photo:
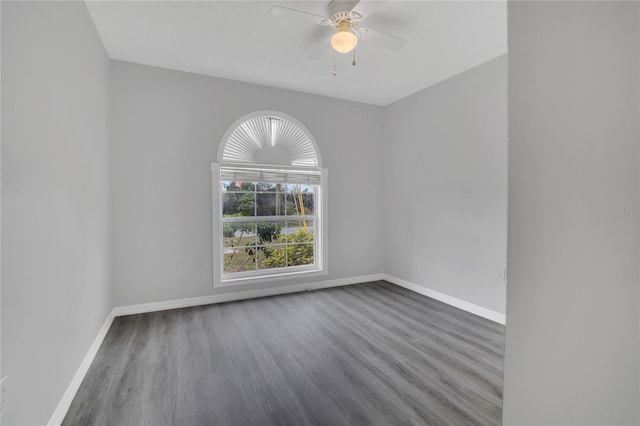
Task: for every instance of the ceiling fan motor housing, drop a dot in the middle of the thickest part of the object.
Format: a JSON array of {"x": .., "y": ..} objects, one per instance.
[
  {"x": 351, "y": 17},
  {"x": 336, "y": 6},
  {"x": 342, "y": 11}
]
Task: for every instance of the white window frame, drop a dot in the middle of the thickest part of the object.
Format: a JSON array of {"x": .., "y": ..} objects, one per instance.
[{"x": 269, "y": 275}]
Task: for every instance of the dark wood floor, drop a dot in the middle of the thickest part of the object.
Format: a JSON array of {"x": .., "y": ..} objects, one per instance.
[{"x": 369, "y": 353}]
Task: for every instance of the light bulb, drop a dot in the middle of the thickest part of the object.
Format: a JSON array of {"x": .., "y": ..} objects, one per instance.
[{"x": 344, "y": 41}]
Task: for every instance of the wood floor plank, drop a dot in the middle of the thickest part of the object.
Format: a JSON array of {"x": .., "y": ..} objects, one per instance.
[{"x": 365, "y": 354}]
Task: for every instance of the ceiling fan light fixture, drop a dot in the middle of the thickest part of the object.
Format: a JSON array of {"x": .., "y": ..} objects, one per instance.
[{"x": 344, "y": 41}]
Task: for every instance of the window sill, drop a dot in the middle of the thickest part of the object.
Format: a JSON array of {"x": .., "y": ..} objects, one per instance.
[{"x": 231, "y": 282}]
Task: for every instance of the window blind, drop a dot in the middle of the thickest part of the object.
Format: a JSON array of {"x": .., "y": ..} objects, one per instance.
[{"x": 252, "y": 174}]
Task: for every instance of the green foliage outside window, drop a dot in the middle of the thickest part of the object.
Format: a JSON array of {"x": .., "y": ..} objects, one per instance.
[{"x": 295, "y": 254}]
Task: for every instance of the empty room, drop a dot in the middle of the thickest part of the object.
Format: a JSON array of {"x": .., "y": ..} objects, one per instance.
[{"x": 320, "y": 213}]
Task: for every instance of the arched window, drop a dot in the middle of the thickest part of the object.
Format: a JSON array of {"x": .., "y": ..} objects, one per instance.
[{"x": 269, "y": 201}]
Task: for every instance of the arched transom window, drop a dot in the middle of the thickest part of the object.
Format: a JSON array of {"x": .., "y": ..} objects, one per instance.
[{"x": 269, "y": 199}]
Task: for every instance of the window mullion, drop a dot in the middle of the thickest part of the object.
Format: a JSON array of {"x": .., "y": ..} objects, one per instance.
[{"x": 227, "y": 219}]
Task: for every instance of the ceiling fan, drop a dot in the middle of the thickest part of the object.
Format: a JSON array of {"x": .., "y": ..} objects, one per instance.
[{"x": 345, "y": 17}]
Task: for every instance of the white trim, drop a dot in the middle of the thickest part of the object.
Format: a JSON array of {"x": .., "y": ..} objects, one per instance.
[
  {"x": 299, "y": 272},
  {"x": 63, "y": 406},
  {"x": 241, "y": 295},
  {"x": 322, "y": 227},
  {"x": 216, "y": 224},
  {"x": 449, "y": 300}
]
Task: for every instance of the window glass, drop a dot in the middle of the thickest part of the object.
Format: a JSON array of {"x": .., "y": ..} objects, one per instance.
[{"x": 253, "y": 241}]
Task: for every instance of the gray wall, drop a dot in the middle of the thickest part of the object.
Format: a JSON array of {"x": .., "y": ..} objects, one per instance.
[
  {"x": 55, "y": 200},
  {"x": 446, "y": 148},
  {"x": 167, "y": 126},
  {"x": 572, "y": 331}
]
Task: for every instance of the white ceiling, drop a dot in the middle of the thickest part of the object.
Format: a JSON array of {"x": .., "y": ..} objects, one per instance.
[{"x": 241, "y": 40}]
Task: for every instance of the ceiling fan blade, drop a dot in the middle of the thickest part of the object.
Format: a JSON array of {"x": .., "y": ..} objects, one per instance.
[
  {"x": 365, "y": 7},
  {"x": 300, "y": 14},
  {"x": 381, "y": 38},
  {"x": 320, "y": 49}
]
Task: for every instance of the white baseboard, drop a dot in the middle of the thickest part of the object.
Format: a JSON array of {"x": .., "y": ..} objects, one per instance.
[
  {"x": 63, "y": 406},
  {"x": 72, "y": 389},
  {"x": 449, "y": 300},
  {"x": 241, "y": 295}
]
